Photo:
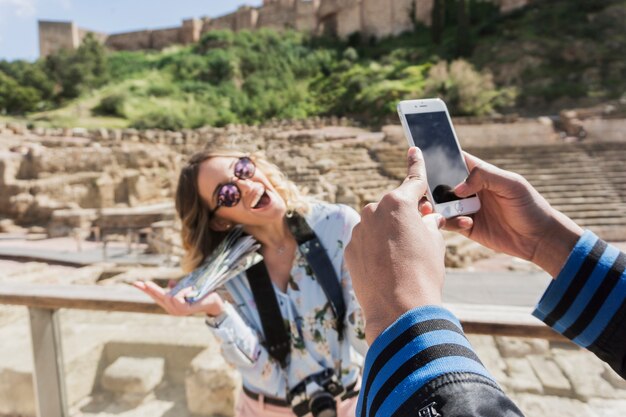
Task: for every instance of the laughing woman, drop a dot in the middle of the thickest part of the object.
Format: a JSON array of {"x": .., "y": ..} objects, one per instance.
[{"x": 298, "y": 362}]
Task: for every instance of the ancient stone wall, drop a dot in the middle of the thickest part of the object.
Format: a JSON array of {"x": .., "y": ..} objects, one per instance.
[
  {"x": 130, "y": 41},
  {"x": 276, "y": 16},
  {"x": 226, "y": 22},
  {"x": 305, "y": 15},
  {"x": 190, "y": 32},
  {"x": 54, "y": 36},
  {"x": 382, "y": 19},
  {"x": 331, "y": 17},
  {"x": 423, "y": 11},
  {"x": 165, "y": 37},
  {"x": 82, "y": 33},
  {"x": 246, "y": 18},
  {"x": 339, "y": 17},
  {"x": 46, "y": 170}
]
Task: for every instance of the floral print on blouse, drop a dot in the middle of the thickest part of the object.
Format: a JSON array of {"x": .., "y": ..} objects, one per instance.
[{"x": 315, "y": 345}]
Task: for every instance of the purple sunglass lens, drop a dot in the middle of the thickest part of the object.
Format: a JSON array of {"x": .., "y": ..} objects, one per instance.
[
  {"x": 228, "y": 195},
  {"x": 244, "y": 168}
]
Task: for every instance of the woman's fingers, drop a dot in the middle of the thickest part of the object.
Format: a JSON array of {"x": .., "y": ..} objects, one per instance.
[
  {"x": 153, "y": 293},
  {"x": 461, "y": 224},
  {"x": 154, "y": 290},
  {"x": 160, "y": 296},
  {"x": 425, "y": 207},
  {"x": 175, "y": 305}
]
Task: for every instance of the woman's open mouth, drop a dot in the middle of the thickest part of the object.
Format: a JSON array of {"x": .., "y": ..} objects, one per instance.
[{"x": 263, "y": 201}]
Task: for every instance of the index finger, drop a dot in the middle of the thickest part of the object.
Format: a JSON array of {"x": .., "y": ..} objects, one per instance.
[{"x": 472, "y": 161}]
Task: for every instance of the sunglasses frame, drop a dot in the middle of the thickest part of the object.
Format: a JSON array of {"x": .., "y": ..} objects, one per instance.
[{"x": 246, "y": 174}]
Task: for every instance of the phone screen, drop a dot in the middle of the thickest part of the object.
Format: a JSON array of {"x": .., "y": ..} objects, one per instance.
[{"x": 432, "y": 133}]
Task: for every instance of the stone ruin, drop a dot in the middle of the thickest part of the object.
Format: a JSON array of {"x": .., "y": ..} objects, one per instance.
[
  {"x": 98, "y": 183},
  {"x": 370, "y": 18}
]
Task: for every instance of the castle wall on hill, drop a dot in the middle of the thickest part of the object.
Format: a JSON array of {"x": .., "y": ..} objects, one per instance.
[
  {"x": 246, "y": 18},
  {"x": 276, "y": 16},
  {"x": 130, "y": 41},
  {"x": 226, "y": 22},
  {"x": 380, "y": 19},
  {"x": 190, "y": 32},
  {"x": 165, "y": 37},
  {"x": 54, "y": 36},
  {"x": 306, "y": 15},
  {"x": 341, "y": 18}
]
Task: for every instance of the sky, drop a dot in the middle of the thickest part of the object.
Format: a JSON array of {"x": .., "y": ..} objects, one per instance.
[{"x": 18, "y": 18}]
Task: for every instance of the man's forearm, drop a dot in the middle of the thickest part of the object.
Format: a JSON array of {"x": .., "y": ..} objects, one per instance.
[
  {"x": 558, "y": 242},
  {"x": 587, "y": 300},
  {"x": 423, "y": 364}
]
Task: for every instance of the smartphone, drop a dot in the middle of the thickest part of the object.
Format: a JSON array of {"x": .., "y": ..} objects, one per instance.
[{"x": 428, "y": 126}]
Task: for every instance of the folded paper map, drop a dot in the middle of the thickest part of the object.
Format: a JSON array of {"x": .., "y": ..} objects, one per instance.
[{"x": 235, "y": 254}]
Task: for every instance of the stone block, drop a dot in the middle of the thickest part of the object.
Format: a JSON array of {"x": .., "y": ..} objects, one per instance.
[
  {"x": 8, "y": 226},
  {"x": 211, "y": 385},
  {"x": 584, "y": 371},
  {"x": 17, "y": 395},
  {"x": 542, "y": 406},
  {"x": 129, "y": 375},
  {"x": 325, "y": 165},
  {"x": 607, "y": 408},
  {"x": 488, "y": 353},
  {"x": 515, "y": 347},
  {"x": 521, "y": 377},
  {"x": 550, "y": 376},
  {"x": 614, "y": 379}
]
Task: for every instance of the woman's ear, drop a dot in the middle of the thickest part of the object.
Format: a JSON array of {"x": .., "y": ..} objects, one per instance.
[{"x": 217, "y": 224}]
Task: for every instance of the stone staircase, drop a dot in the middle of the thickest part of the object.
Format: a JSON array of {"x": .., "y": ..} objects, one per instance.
[
  {"x": 585, "y": 181},
  {"x": 349, "y": 171}
]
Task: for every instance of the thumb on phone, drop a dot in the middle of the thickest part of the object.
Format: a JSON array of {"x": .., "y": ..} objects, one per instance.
[
  {"x": 484, "y": 176},
  {"x": 434, "y": 221},
  {"x": 415, "y": 183}
]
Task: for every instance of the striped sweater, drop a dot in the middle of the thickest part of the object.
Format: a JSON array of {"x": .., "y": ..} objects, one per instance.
[{"x": 422, "y": 365}]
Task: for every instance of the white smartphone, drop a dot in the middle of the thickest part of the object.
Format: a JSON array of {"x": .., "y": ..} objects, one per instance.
[{"x": 428, "y": 126}]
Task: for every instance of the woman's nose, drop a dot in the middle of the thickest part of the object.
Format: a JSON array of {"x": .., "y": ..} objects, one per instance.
[{"x": 245, "y": 184}]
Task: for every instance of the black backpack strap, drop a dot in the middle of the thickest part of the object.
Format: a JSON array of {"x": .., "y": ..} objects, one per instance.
[
  {"x": 277, "y": 339},
  {"x": 317, "y": 258}
]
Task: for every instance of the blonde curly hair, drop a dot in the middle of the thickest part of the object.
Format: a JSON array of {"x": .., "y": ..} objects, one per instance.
[{"x": 198, "y": 239}]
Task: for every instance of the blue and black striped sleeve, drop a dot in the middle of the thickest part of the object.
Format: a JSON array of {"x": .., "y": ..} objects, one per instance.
[
  {"x": 587, "y": 301},
  {"x": 423, "y": 365}
]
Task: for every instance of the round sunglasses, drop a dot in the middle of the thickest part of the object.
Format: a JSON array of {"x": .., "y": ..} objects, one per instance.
[{"x": 229, "y": 194}]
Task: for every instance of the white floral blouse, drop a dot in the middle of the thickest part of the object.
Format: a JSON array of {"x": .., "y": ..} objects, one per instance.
[{"x": 314, "y": 342}]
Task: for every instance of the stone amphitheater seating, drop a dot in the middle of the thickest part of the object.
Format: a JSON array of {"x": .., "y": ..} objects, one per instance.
[{"x": 586, "y": 181}]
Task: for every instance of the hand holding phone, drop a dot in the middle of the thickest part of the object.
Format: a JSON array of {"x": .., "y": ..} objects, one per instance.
[{"x": 428, "y": 126}]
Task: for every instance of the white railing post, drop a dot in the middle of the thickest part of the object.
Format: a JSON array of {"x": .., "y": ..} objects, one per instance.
[{"x": 48, "y": 375}]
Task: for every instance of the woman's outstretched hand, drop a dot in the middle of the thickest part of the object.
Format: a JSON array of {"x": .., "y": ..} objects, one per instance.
[{"x": 212, "y": 304}]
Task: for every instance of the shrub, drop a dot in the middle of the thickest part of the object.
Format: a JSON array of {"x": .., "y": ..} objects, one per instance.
[
  {"x": 350, "y": 54},
  {"x": 167, "y": 119},
  {"x": 220, "y": 66},
  {"x": 80, "y": 70},
  {"x": 218, "y": 39},
  {"x": 111, "y": 105},
  {"x": 465, "y": 90},
  {"x": 16, "y": 99}
]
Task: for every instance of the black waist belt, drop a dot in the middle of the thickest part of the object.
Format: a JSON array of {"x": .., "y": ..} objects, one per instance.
[{"x": 350, "y": 392}]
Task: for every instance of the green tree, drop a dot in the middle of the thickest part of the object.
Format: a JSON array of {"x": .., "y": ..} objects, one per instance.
[
  {"x": 438, "y": 18},
  {"x": 15, "y": 98},
  {"x": 463, "y": 39},
  {"x": 75, "y": 72},
  {"x": 29, "y": 74}
]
